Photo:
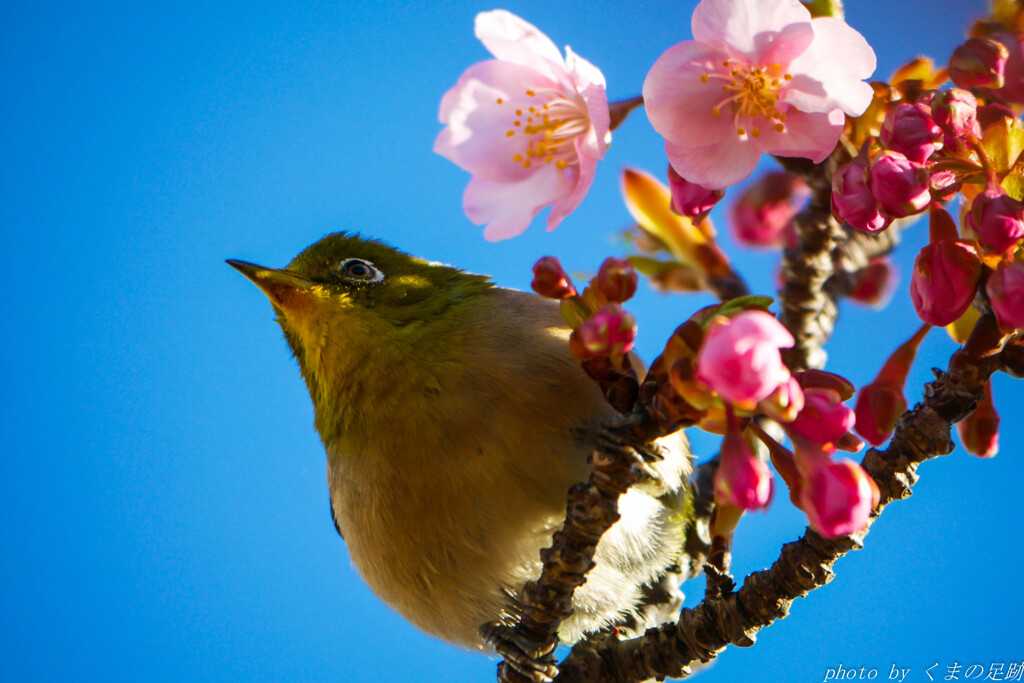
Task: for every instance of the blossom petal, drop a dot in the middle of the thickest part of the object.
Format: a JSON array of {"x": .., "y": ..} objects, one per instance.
[
  {"x": 678, "y": 104},
  {"x": 714, "y": 166},
  {"x": 475, "y": 138},
  {"x": 508, "y": 208},
  {"x": 809, "y": 135},
  {"x": 738, "y": 22},
  {"x": 511, "y": 39},
  {"x": 582, "y": 177},
  {"x": 831, "y": 70},
  {"x": 590, "y": 84}
]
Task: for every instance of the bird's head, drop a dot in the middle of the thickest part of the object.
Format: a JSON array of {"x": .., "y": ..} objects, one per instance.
[{"x": 349, "y": 305}]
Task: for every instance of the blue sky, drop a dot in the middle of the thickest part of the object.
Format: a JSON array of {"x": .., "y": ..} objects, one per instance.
[{"x": 165, "y": 510}]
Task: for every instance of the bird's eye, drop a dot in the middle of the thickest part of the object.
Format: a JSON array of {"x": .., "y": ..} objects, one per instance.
[{"x": 359, "y": 270}]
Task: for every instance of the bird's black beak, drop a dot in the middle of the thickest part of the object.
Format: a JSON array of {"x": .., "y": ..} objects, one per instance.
[{"x": 284, "y": 289}]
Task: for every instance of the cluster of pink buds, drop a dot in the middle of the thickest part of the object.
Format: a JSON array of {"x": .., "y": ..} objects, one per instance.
[
  {"x": 730, "y": 367},
  {"x": 601, "y": 327}
]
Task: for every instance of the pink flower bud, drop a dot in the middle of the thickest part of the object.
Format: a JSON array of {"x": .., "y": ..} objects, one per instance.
[
  {"x": 1006, "y": 293},
  {"x": 899, "y": 184},
  {"x": 739, "y": 358},
  {"x": 944, "y": 281},
  {"x": 852, "y": 201},
  {"x": 997, "y": 219},
  {"x": 837, "y": 498},
  {"x": 609, "y": 332},
  {"x": 550, "y": 280},
  {"x": 956, "y": 113},
  {"x": 873, "y": 284},
  {"x": 1013, "y": 88},
  {"x": 691, "y": 199},
  {"x": 742, "y": 479},
  {"x": 616, "y": 279},
  {"x": 785, "y": 403},
  {"x": 979, "y": 431},
  {"x": 824, "y": 418},
  {"x": 978, "y": 63},
  {"x": 909, "y": 129},
  {"x": 766, "y": 209}
]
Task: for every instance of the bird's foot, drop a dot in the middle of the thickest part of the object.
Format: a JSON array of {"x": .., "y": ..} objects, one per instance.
[
  {"x": 519, "y": 652},
  {"x": 614, "y": 435}
]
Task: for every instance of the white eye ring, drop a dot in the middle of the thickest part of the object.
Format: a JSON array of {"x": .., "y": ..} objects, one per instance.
[{"x": 359, "y": 270}]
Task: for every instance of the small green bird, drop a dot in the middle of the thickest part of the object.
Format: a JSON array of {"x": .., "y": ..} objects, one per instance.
[{"x": 455, "y": 420}]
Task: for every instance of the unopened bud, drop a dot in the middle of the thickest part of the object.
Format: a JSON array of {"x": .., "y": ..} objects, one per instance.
[
  {"x": 880, "y": 403},
  {"x": 824, "y": 418},
  {"x": 997, "y": 219},
  {"x": 899, "y": 184},
  {"x": 910, "y": 130},
  {"x": 838, "y": 498},
  {"x": 616, "y": 279},
  {"x": 550, "y": 280},
  {"x": 944, "y": 281},
  {"x": 979, "y": 431},
  {"x": 852, "y": 200},
  {"x": 742, "y": 479},
  {"x": 956, "y": 113},
  {"x": 611, "y": 331},
  {"x": 765, "y": 210},
  {"x": 690, "y": 199},
  {"x": 978, "y": 63},
  {"x": 873, "y": 284}
]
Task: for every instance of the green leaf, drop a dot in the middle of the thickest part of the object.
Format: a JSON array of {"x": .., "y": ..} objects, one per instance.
[
  {"x": 1013, "y": 183},
  {"x": 825, "y": 8},
  {"x": 1003, "y": 142}
]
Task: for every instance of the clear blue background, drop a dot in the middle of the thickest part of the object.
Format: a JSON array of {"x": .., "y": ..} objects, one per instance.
[{"x": 163, "y": 506}]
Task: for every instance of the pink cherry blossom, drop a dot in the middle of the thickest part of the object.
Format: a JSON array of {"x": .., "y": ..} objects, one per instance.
[
  {"x": 530, "y": 126},
  {"x": 740, "y": 359},
  {"x": 759, "y": 76}
]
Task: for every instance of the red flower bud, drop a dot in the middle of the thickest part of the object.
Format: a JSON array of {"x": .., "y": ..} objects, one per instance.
[
  {"x": 910, "y": 130},
  {"x": 979, "y": 63},
  {"x": 997, "y": 219},
  {"x": 616, "y": 279},
  {"x": 1006, "y": 293},
  {"x": 979, "y": 431},
  {"x": 766, "y": 209},
  {"x": 550, "y": 280},
  {"x": 691, "y": 199},
  {"x": 899, "y": 184},
  {"x": 852, "y": 200},
  {"x": 611, "y": 331}
]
